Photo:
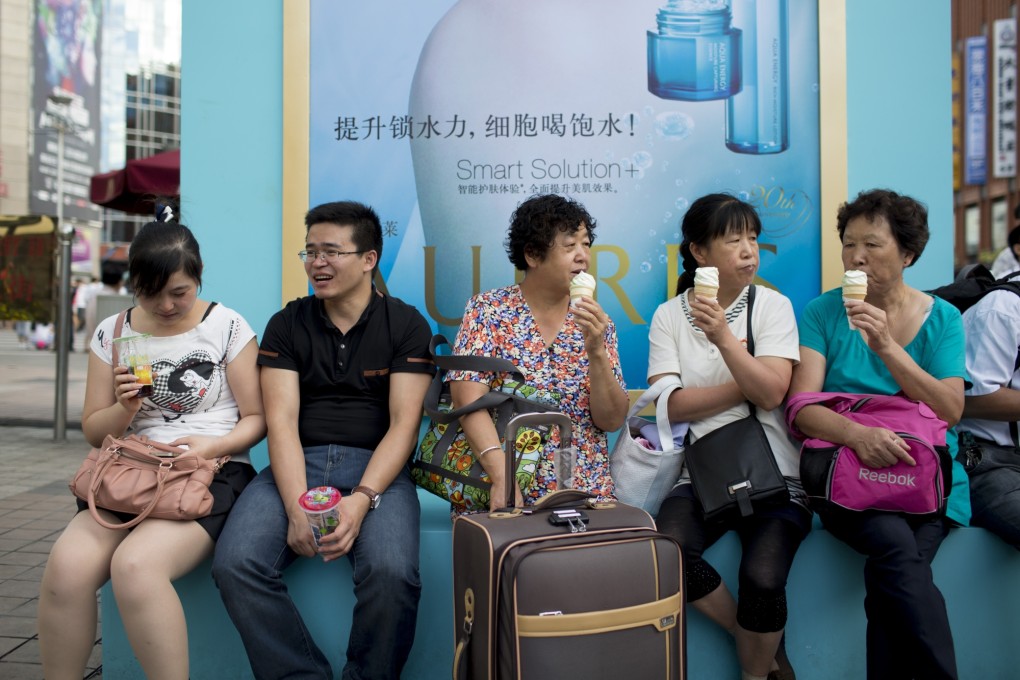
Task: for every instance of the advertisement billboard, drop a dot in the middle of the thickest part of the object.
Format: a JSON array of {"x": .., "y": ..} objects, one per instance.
[
  {"x": 445, "y": 115},
  {"x": 66, "y": 46}
]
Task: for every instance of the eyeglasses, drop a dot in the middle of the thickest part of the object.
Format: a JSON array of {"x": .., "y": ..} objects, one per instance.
[{"x": 327, "y": 255}]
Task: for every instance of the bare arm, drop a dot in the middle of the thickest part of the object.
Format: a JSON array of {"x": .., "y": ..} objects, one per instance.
[
  {"x": 609, "y": 401},
  {"x": 407, "y": 395},
  {"x": 481, "y": 435},
  {"x": 1002, "y": 404},
  {"x": 945, "y": 396},
  {"x": 110, "y": 401},
  {"x": 877, "y": 447},
  {"x": 282, "y": 398},
  {"x": 243, "y": 378},
  {"x": 763, "y": 381},
  {"x": 696, "y": 403}
]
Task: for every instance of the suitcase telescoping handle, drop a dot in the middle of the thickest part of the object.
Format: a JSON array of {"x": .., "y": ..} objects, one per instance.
[{"x": 552, "y": 418}]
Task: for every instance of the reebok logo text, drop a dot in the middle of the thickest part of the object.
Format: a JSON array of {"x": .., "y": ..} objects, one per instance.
[{"x": 886, "y": 478}]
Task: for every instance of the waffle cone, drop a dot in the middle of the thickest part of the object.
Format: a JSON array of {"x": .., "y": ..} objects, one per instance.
[
  {"x": 855, "y": 292},
  {"x": 581, "y": 291},
  {"x": 577, "y": 292},
  {"x": 706, "y": 291}
]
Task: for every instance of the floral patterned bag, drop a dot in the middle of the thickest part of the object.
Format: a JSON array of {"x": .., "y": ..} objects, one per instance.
[{"x": 444, "y": 463}]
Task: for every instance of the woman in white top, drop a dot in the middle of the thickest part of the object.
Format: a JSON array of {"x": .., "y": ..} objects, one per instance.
[
  {"x": 206, "y": 397},
  {"x": 703, "y": 341}
]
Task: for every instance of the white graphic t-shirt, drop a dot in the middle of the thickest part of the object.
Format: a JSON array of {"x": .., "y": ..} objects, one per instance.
[{"x": 190, "y": 392}]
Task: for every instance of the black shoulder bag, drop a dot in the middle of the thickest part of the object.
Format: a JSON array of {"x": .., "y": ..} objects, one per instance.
[{"x": 732, "y": 468}]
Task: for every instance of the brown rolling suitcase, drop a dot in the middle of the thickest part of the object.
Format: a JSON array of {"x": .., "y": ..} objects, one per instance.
[{"x": 566, "y": 588}]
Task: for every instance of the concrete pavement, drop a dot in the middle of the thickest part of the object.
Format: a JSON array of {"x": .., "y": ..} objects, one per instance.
[
  {"x": 35, "y": 503},
  {"x": 28, "y": 380}
]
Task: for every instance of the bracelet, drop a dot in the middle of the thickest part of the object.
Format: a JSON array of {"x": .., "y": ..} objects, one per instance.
[{"x": 481, "y": 453}]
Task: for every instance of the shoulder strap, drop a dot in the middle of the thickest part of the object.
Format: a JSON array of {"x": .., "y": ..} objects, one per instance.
[
  {"x": 750, "y": 341},
  {"x": 658, "y": 392},
  {"x": 481, "y": 364},
  {"x": 208, "y": 310},
  {"x": 118, "y": 327}
]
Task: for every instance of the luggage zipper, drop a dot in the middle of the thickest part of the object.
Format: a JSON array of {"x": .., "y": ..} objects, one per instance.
[{"x": 632, "y": 534}]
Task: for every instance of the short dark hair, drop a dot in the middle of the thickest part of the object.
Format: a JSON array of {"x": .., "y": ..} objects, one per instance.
[
  {"x": 907, "y": 218},
  {"x": 1014, "y": 236},
  {"x": 113, "y": 273},
  {"x": 535, "y": 223},
  {"x": 364, "y": 222},
  {"x": 158, "y": 251},
  {"x": 708, "y": 218}
]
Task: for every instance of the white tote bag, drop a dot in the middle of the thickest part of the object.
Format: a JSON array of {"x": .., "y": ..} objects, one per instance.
[{"x": 644, "y": 477}]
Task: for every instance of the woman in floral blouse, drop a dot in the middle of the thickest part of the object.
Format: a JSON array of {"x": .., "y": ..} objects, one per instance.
[{"x": 567, "y": 351}]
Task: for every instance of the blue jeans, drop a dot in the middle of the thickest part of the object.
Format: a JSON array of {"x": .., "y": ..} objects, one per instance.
[
  {"x": 994, "y": 473},
  {"x": 252, "y": 553}
]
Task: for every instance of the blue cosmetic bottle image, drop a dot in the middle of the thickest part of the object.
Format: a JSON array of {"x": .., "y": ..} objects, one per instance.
[
  {"x": 695, "y": 54},
  {"x": 757, "y": 120}
]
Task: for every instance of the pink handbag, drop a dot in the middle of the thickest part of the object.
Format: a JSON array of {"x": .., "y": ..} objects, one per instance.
[
  {"x": 833, "y": 475},
  {"x": 146, "y": 478}
]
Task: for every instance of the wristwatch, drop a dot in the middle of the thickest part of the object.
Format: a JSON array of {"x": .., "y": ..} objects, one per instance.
[{"x": 373, "y": 497}]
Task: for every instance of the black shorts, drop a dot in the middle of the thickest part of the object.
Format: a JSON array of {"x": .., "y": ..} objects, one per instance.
[{"x": 227, "y": 485}]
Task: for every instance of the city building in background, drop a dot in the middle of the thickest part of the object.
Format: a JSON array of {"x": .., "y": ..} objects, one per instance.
[
  {"x": 50, "y": 88},
  {"x": 101, "y": 79},
  {"x": 986, "y": 193},
  {"x": 118, "y": 62},
  {"x": 15, "y": 95},
  {"x": 142, "y": 96}
]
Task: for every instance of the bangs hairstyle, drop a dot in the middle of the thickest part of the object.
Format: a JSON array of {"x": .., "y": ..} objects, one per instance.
[
  {"x": 717, "y": 215},
  {"x": 710, "y": 217},
  {"x": 158, "y": 251}
]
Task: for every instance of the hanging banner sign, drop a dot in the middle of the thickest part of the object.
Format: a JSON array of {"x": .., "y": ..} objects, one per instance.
[
  {"x": 1004, "y": 99},
  {"x": 957, "y": 125},
  {"x": 975, "y": 110}
]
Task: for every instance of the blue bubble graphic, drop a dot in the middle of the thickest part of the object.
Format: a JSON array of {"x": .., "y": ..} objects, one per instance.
[
  {"x": 642, "y": 159},
  {"x": 674, "y": 125}
]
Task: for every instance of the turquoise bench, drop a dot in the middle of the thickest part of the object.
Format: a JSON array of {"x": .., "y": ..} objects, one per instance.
[{"x": 978, "y": 574}]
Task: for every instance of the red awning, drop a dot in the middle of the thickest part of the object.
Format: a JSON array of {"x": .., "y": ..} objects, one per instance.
[{"x": 134, "y": 187}]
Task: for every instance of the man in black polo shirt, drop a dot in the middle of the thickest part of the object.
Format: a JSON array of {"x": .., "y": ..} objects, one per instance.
[{"x": 344, "y": 375}]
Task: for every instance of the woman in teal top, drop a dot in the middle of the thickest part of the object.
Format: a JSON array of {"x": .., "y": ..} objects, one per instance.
[{"x": 902, "y": 340}]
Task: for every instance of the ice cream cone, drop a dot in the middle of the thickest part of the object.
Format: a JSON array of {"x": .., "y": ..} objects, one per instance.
[
  {"x": 706, "y": 282},
  {"x": 855, "y": 292},
  {"x": 582, "y": 285},
  {"x": 578, "y": 292},
  {"x": 855, "y": 287},
  {"x": 711, "y": 292}
]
